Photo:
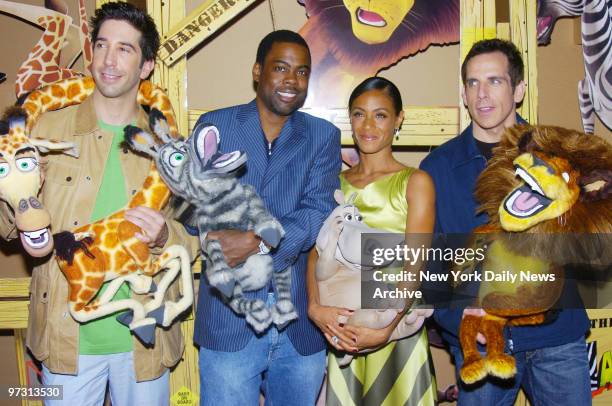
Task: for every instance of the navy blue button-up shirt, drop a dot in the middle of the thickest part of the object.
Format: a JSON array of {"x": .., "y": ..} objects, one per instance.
[{"x": 454, "y": 167}]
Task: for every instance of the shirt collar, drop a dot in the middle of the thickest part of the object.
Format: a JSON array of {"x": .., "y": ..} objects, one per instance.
[
  {"x": 468, "y": 150},
  {"x": 86, "y": 121},
  {"x": 249, "y": 112}
]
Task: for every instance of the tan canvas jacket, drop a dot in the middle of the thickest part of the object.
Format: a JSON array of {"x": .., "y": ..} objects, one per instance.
[{"x": 69, "y": 193}]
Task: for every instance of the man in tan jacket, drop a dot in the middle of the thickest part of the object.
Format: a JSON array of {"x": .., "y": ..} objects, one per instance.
[{"x": 84, "y": 358}]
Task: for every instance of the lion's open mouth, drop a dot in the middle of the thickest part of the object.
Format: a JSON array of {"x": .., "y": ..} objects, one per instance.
[
  {"x": 528, "y": 199},
  {"x": 370, "y": 18}
]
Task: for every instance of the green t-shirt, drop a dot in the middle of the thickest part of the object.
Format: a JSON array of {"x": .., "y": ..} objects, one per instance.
[{"x": 107, "y": 335}]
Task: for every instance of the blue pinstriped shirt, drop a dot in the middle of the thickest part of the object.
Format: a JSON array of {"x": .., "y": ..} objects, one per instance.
[{"x": 296, "y": 182}]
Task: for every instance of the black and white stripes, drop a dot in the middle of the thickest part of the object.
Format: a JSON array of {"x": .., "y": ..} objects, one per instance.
[{"x": 595, "y": 90}]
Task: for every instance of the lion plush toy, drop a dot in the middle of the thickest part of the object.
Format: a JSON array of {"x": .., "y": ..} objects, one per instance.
[
  {"x": 339, "y": 277},
  {"x": 550, "y": 185}
]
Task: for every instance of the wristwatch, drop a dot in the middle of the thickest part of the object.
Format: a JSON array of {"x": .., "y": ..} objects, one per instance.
[{"x": 263, "y": 248}]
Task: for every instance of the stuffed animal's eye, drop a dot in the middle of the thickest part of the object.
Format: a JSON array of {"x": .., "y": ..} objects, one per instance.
[
  {"x": 176, "y": 159},
  {"x": 4, "y": 169},
  {"x": 26, "y": 164},
  {"x": 358, "y": 217},
  {"x": 348, "y": 217}
]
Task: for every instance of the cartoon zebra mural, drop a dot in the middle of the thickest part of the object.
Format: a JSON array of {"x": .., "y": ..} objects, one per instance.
[
  {"x": 595, "y": 90},
  {"x": 592, "y": 354}
]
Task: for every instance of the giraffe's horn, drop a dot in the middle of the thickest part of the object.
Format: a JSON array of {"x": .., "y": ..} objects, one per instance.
[{"x": 15, "y": 116}]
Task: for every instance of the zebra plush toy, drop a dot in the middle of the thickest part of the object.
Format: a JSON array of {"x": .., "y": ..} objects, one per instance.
[{"x": 197, "y": 172}]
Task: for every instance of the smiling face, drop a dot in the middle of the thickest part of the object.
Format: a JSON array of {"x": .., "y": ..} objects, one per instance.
[
  {"x": 373, "y": 121},
  {"x": 117, "y": 66},
  {"x": 20, "y": 182},
  {"x": 282, "y": 81},
  {"x": 550, "y": 188},
  {"x": 489, "y": 96},
  {"x": 373, "y": 22}
]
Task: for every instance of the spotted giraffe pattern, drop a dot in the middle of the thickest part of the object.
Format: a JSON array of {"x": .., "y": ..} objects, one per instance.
[
  {"x": 108, "y": 249},
  {"x": 42, "y": 65}
]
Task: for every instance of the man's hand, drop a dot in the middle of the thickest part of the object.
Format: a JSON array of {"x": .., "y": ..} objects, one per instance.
[
  {"x": 237, "y": 245},
  {"x": 480, "y": 313},
  {"x": 151, "y": 222}
]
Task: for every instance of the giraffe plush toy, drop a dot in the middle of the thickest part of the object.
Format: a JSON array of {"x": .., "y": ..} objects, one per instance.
[
  {"x": 196, "y": 171},
  {"x": 102, "y": 251},
  {"x": 42, "y": 65}
]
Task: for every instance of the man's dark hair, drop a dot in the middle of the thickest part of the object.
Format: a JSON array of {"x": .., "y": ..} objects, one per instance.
[
  {"x": 278, "y": 36},
  {"x": 382, "y": 84},
  {"x": 516, "y": 69},
  {"x": 140, "y": 20}
]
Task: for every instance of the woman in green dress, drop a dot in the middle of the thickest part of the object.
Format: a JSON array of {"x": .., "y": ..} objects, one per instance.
[{"x": 398, "y": 199}]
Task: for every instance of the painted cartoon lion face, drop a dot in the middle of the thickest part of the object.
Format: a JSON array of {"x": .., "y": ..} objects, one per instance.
[
  {"x": 549, "y": 189},
  {"x": 373, "y": 22}
]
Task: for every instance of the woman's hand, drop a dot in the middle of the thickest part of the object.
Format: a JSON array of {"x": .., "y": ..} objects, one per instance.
[
  {"x": 330, "y": 320},
  {"x": 368, "y": 338}
]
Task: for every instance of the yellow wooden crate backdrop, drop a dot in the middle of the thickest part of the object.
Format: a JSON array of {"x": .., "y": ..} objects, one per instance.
[{"x": 424, "y": 125}]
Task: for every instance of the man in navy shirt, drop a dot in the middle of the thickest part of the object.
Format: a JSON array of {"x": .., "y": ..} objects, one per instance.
[{"x": 552, "y": 363}]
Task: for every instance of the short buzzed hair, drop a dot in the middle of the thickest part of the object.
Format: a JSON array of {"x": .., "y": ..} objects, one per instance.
[{"x": 278, "y": 36}]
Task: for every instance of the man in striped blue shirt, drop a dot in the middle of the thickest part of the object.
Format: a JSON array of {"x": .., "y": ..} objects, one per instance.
[{"x": 294, "y": 161}]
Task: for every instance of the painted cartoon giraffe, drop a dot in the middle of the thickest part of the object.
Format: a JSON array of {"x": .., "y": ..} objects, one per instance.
[
  {"x": 42, "y": 66},
  {"x": 107, "y": 249}
]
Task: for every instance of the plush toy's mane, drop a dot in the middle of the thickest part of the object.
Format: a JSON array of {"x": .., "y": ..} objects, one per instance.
[
  {"x": 429, "y": 21},
  {"x": 590, "y": 155}
]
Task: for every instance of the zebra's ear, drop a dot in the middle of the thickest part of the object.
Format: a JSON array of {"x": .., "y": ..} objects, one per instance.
[
  {"x": 205, "y": 141},
  {"x": 159, "y": 125},
  {"x": 140, "y": 140}
]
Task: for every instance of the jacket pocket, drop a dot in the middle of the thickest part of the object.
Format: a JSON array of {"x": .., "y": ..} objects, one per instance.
[
  {"x": 172, "y": 345},
  {"x": 60, "y": 193},
  {"x": 61, "y": 173},
  {"x": 37, "y": 336}
]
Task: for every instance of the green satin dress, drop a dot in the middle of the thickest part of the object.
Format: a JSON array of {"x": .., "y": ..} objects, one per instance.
[{"x": 400, "y": 373}]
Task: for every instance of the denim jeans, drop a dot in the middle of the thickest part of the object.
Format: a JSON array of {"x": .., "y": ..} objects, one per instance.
[
  {"x": 88, "y": 387},
  {"x": 270, "y": 364},
  {"x": 549, "y": 376}
]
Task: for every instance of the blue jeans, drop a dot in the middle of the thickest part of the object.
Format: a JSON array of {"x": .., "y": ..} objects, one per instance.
[
  {"x": 88, "y": 387},
  {"x": 549, "y": 376},
  {"x": 270, "y": 364}
]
